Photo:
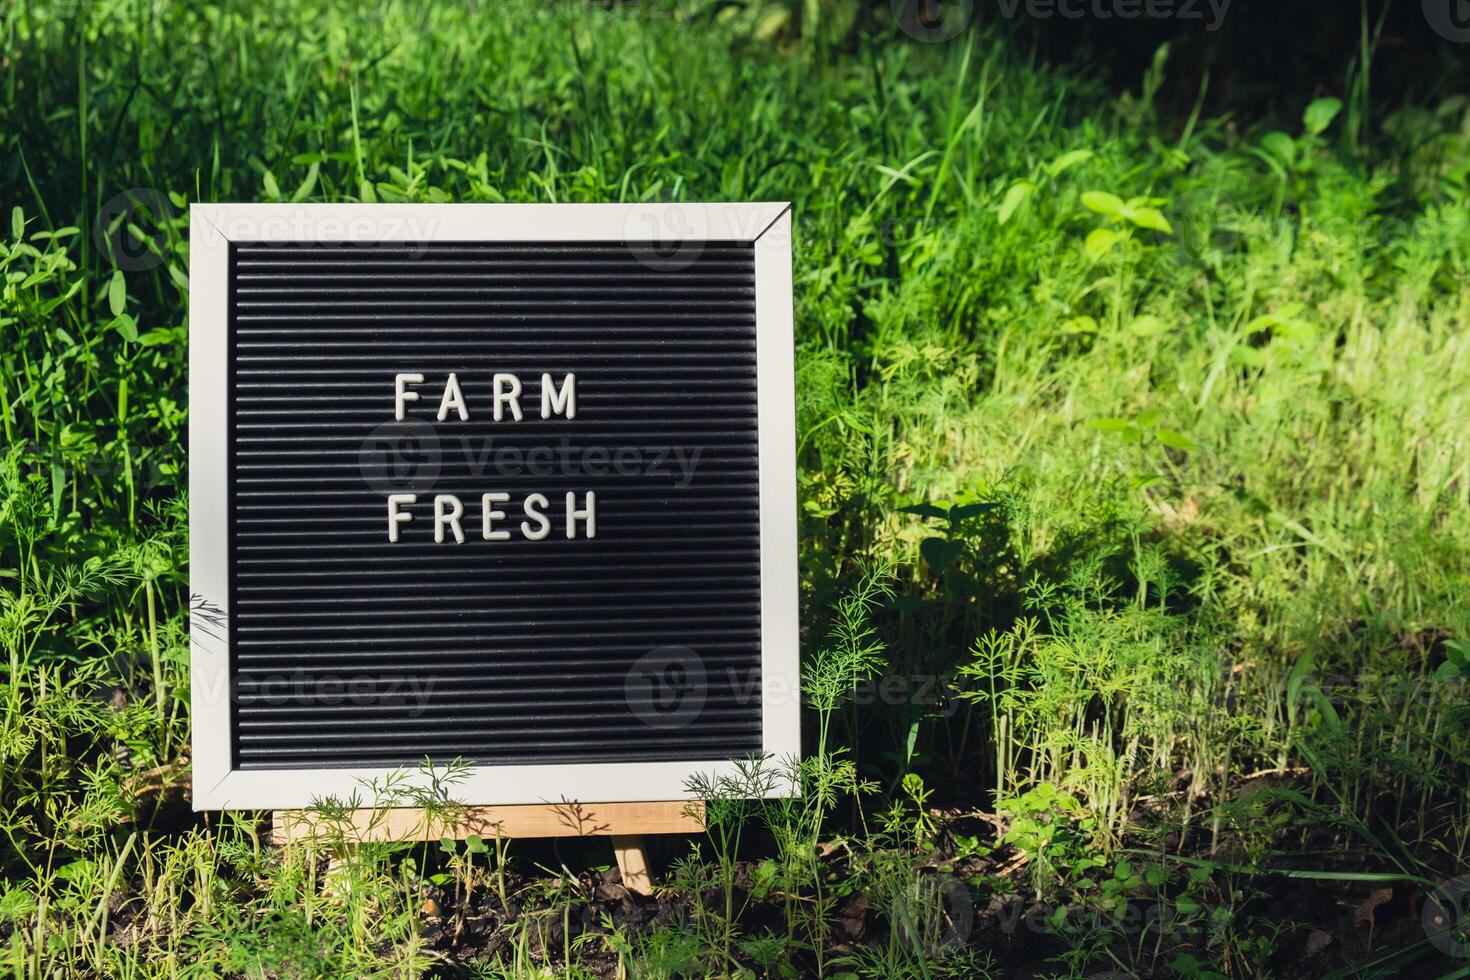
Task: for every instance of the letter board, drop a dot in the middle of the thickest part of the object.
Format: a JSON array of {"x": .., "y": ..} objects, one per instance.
[{"x": 512, "y": 484}]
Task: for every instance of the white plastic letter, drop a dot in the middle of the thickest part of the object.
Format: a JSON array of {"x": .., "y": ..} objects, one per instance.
[
  {"x": 562, "y": 402},
  {"x": 396, "y": 516},
  {"x": 453, "y": 398},
  {"x": 588, "y": 513},
  {"x": 488, "y": 515},
  {"x": 507, "y": 392},
  {"x": 451, "y": 518},
  {"x": 401, "y": 394},
  {"x": 533, "y": 502}
]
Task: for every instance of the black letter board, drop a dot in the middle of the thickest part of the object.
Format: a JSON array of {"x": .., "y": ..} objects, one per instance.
[{"x": 511, "y": 484}]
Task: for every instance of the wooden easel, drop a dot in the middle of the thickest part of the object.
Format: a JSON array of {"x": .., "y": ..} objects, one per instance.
[{"x": 625, "y": 823}]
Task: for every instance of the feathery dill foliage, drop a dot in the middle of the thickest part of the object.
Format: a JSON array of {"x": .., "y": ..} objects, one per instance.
[{"x": 1134, "y": 474}]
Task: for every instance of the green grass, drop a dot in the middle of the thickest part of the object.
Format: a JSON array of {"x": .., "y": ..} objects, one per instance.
[{"x": 1135, "y": 454}]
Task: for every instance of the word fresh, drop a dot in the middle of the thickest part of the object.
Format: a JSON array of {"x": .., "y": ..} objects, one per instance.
[{"x": 449, "y": 513}]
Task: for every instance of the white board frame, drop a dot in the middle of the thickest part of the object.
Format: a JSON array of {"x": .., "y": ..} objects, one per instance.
[{"x": 214, "y": 227}]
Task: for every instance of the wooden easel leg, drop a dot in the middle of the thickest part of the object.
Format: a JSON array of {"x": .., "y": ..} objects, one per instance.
[
  {"x": 632, "y": 862},
  {"x": 509, "y": 822}
]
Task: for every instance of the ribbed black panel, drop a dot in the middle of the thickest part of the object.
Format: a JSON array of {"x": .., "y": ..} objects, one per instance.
[{"x": 349, "y": 650}]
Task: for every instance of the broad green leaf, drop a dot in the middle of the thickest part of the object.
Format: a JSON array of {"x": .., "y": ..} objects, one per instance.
[
  {"x": 76, "y": 869},
  {"x": 1108, "y": 425},
  {"x": 1450, "y": 671},
  {"x": 1147, "y": 325},
  {"x": 1457, "y": 662},
  {"x": 56, "y": 301},
  {"x": 1103, "y": 203},
  {"x": 1014, "y": 198},
  {"x": 966, "y": 511},
  {"x": 1325, "y": 711},
  {"x": 773, "y": 23},
  {"x": 1249, "y": 356},
  {"x": 1319, "y": 115},
  {"x": 1067, "y": 161},
  {"x": 117, "y": 293},
  {"x": 940, "y": 552},
  {"x": 1176, "y": 440},
  {"x": 1300, "y": 671},
  {"x": 1264, "y": 322},
  {"x": 18, "y": 223},
  {"x": 1280, "y": 146},
  {"x": 1150, "y": 218},
  {"x": 58, "y": 487},
  {"x": 159, "y": 336},
  {"x": 1294, "y": 328},
  {"x": 272, "y": 189},
  {"x": 1100, "y": 242},
  {"x": 1080, "y": 324},
  {"x": 127, "y": 326}
]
